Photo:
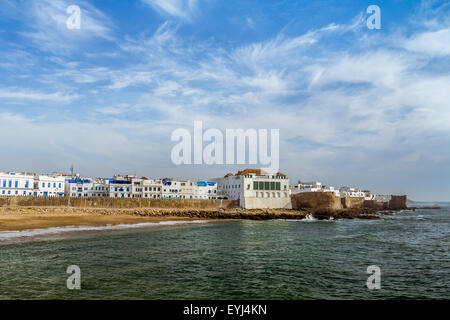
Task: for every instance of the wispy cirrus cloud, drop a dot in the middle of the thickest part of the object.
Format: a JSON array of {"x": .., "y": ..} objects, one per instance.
[
  {"x": 365, "y": 101},
  {"x": 46, "y": 26},
  {"x": 181, "y": 9},
  {"x": 18, "y": 95}
]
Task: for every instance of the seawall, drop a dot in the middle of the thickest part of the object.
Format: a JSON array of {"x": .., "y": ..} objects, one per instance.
[
  {"x": 329, "y": 201},
  {"x": 116, "y": 203}
]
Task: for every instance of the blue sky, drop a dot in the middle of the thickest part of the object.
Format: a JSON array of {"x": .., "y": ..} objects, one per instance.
[{"x": 359, "y": 107}]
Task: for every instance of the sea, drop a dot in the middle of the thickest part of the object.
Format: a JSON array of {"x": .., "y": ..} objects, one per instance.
[{"x": 242, "y": 259}]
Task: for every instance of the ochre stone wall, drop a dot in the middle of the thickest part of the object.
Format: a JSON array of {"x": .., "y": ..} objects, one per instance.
[
  {"x": 316, "y": 200},
  {"x": 328, "y": 200},
  {"x": 352, "y": 202},
  {"x": 117, "y": 203},
  {"x": 398, "y": 203},
  {"x": 375, "y": 205}
]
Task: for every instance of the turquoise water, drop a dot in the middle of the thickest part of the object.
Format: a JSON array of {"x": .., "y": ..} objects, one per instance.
[{"x": 238, "y": 260}]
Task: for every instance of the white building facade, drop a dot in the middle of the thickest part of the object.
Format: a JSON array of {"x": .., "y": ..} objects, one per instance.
[
  {"x": 314, "y": 186},
  {"x": 87, "y": 188},
  {"x": 151, "y": 189},
  {"x": 256, "y": 189},
  {"x": 47, "y": 186},
  {"x": 348, "y": 192},
  {"x": 16, "y": 184},
  {"x": 206, "y": 190}
]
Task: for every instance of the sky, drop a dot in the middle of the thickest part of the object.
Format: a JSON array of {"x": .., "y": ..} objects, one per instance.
[{"x": 368, "y": 108}]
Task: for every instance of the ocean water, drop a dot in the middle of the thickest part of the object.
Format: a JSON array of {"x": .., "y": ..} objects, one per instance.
[{"x": 276, "y": 259}]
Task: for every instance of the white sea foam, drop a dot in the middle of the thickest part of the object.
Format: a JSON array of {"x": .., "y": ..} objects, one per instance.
[
  {"x": 310, "y": 218},
  {"x": 58, "y": 230}
]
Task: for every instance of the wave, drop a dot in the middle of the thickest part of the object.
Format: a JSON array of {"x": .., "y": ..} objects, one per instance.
[
  {"x": 309, "y": 218},
  {"x": 57, "y": 230}
]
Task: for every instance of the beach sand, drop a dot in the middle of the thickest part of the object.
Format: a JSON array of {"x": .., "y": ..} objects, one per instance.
[{"x": 20, "y": 219}]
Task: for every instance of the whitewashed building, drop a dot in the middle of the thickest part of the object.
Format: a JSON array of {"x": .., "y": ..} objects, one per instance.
[
  {"x": 47, "y": 186},
  {"x": 77, "y": 187},
  {"x": 16, "y": 184},
  {"x": 99, "y": 189},
  {"x": 120, "y": 188},
  {"x": 87, "y": 188},
  {"x": 255, "y": 188},
  {"x": 151, "y": 189},
  {"x": 206, "y": 190},
  {"x": 177, "y": 189},
  {"x": 137, "y": 189},
  {"x": 348, "y": 192},
  {"x": 314, "y": 186}
]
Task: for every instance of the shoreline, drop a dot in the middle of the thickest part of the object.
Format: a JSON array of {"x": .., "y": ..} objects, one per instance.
[
  {"x": 25, "y": 219},
  {"x": 33, "y": 218}
]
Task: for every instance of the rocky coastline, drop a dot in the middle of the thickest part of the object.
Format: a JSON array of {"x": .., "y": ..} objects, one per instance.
[{"x": 22, "y": 218}]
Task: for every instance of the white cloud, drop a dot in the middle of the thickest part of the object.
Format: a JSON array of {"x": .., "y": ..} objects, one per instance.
[
  {"x": 122, "y": 80},
  {"x": 46, "y": 22},
  {"x": 182, "y": 9},
  {"x": 434, "y": 43},
  {"x": 33, "y": 95},
  {"x": 369, "y": 106}
]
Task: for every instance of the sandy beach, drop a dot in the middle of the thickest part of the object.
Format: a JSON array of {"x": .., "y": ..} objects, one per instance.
[{"x": 20, "y": 219}]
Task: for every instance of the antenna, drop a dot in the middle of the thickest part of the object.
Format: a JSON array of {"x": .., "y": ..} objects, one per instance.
[{"x": 71, "y": 169}]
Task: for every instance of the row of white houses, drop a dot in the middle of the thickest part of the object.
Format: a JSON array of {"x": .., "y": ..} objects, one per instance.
[
  {"x": 254, "y": 188},
  {"x": 23, "y": 184},
  {"x": 134, "y": 187},
  {"x": 343, "y": 192}
]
